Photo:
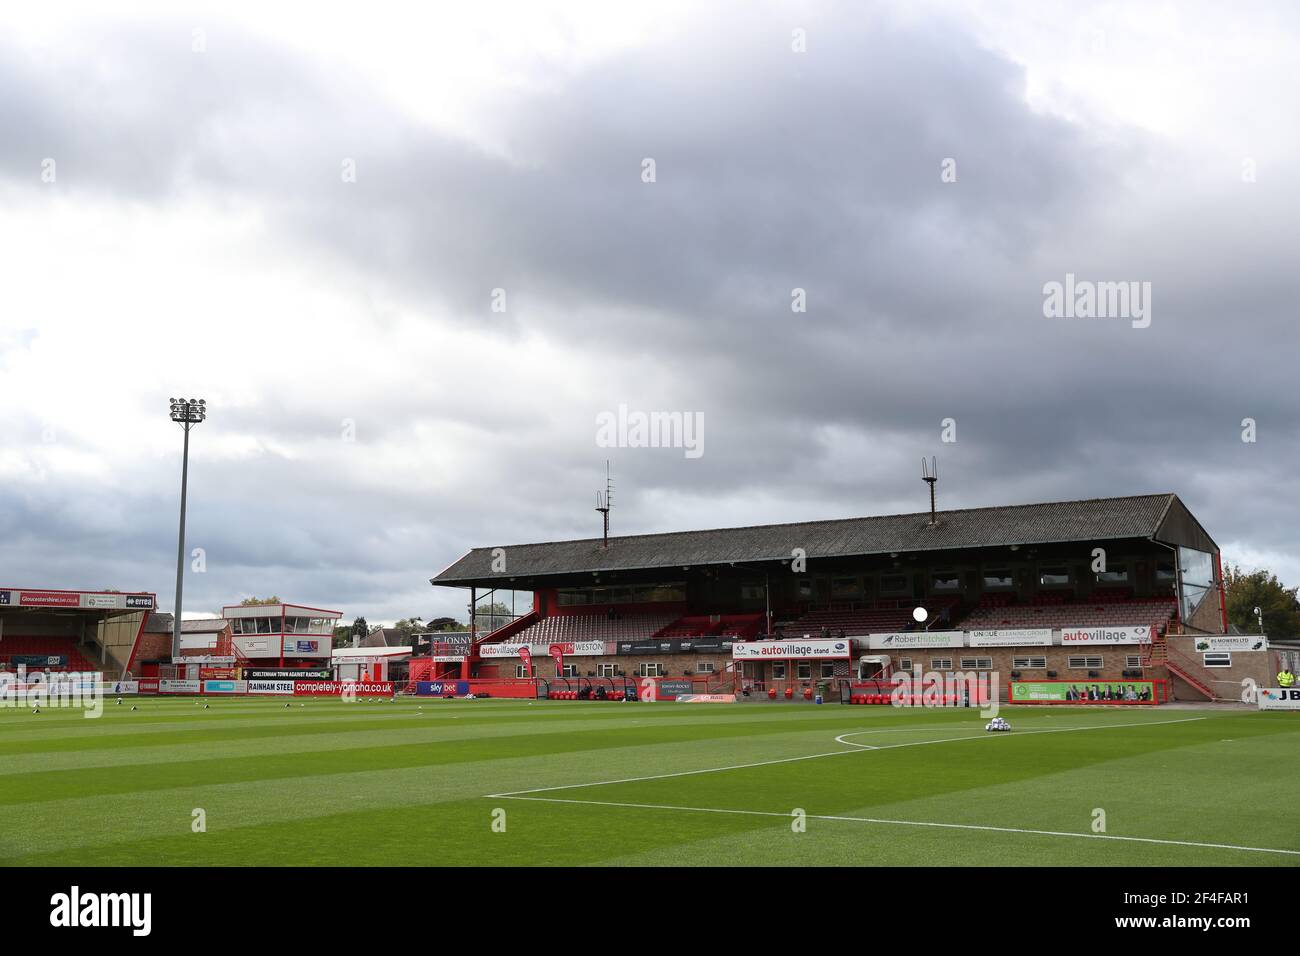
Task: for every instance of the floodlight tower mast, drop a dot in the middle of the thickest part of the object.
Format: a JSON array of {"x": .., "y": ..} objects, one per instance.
[{"x": 186, "y": 412}]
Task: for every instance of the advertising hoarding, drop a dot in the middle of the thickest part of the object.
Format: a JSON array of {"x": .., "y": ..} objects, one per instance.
[
  {"x": 914, "y": 640},
  {"x": 789, "y": 650}
]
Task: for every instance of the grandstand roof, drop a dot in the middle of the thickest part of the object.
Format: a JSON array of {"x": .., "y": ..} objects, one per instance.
[{"x": 1162, "y": 517}]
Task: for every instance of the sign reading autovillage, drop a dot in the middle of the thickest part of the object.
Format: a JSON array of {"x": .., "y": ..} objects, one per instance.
[
  {"x": 786, "y": 650},
  {"x": 570, "y": 648},
  {"x": 1133, "y": 634}
]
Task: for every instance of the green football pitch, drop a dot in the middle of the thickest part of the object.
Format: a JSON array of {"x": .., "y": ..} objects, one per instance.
[{"x": 432, "y": 782}]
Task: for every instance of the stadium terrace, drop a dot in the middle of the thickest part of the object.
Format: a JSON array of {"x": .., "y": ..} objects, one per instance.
[{"x": 1106, "y": 599}]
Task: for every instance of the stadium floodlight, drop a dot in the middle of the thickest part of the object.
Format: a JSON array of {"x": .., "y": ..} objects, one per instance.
[{"x": 186, "y": 412}]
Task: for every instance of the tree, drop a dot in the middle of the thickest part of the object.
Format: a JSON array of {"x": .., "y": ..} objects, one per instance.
[
  {"x": 1247, "y": 590},
  {"x": 409, "y": 626},
  {"x": 360, "y": 628},
  {"x": 445, "y": 624},
  {"x": 342, "y": 636},
  {"x": 259, "y": 602},
  {"x": 493, "y": 616}
]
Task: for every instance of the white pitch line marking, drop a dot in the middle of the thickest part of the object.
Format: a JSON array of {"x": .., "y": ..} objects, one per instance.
[
  {"x": 916, "y": 823},
  {"x": 835, "y": 753}
]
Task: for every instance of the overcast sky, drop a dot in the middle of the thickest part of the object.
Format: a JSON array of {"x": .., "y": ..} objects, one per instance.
[{"x": 302, "y": 216}]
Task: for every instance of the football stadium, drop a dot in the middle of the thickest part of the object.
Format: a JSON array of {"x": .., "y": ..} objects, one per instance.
[
  {"x": 333, "y": 635},
  {"x": 801, "y": 694}
]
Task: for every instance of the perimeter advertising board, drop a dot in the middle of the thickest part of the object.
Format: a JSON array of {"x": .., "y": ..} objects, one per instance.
[
  {"x": 225, "y": 686},
  {"x": 789, "y": 650},
  {"x": 441, "y": 688},
  {"x": 180, "y": 687},
  {"x": 263, "y": 673},
  {"x": 282, "y": 687},
  {"x": 1279, "y": 698},
  {"x": 1083, "y": 692},
  {"x": 336, "y": 688}
]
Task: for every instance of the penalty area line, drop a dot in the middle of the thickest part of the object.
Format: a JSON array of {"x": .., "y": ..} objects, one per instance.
[{"x": 916, "y": 823}]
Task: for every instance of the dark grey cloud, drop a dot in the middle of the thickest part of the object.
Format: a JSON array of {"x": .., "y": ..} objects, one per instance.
[{"x": 775, "y": 171}]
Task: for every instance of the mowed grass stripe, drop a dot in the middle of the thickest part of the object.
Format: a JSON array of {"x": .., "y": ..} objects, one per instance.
[
  {"x": 56, "y": 784},
  {"x": 421, "y": 802},
  {"x": 74, "y": 733},
  {"x": 92, "y": 820},
  {"x": 883, "y": 776}
]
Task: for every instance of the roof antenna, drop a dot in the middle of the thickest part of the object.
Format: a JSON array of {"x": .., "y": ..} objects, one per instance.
[
  {"x": 603, "y": 503},
  {"x": 930, "y": 475}
]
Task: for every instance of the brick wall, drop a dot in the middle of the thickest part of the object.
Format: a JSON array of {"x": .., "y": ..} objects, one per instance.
[{"x": 1226, "y": 682}]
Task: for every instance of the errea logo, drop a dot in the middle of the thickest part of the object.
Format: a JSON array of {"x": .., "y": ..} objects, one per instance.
[{"x": 77, "y": 909}]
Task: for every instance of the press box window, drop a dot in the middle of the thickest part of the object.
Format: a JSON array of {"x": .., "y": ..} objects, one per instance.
[
  {"x": 606, "y": 670},
  {"x": 1000, "y": 578},
  {"x": 1053, "y": 577},
  {"x": 828, "y": 668},
  {"x": 1115, "y": 574},
  {"x": 945, "y": 581},
  {"x": 570, "y": 670},
  {"x": 805, "y": 670},
  {"x": 845, "y": 587},
  {"x": 778, "y": 670},
  {"x": 1029, "y": 663},
  {"x": 893, "y": 583},
  {"x": 1133, "y": 660},
  {"x": 1217, "y": 659},
  {"x": 977, "y": 663},
  {"x": 704, "y": 667},
  {"x": 941, "y": 663},
  {"x": 1084, "y": 663},
  {"x": 521, "y": 671},
  {"x": 650, "y": 670}
]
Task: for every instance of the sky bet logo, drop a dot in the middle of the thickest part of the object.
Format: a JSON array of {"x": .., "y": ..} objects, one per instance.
[{"x": 102, "y": 909}]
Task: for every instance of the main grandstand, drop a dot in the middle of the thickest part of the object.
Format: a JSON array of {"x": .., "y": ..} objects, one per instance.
[{"x": 1071, "y": 592}]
